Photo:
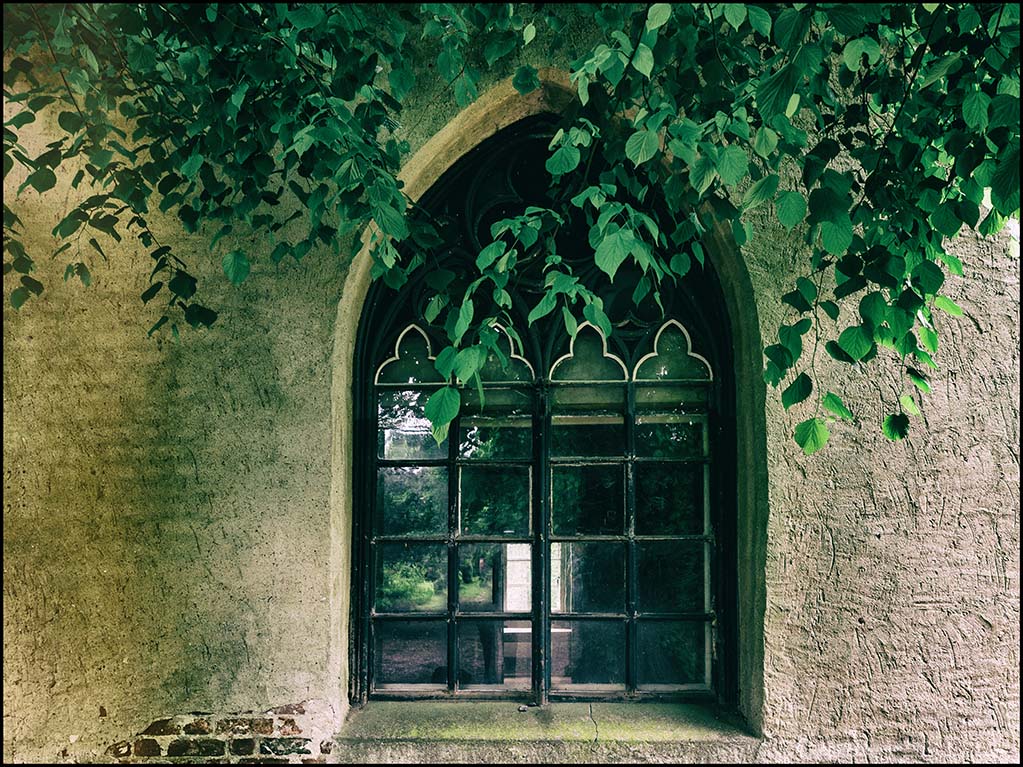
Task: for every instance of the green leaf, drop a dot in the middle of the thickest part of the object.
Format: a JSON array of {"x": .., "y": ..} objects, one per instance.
[
  {"x": 159, "y": 324},
  {"x": 465, "y": 313},
  {"x": 402, "y": 81},
  {"x": 735, "y": 14},
  {"x": 702, "y": 174},
  {"x": 830, "y": 308},
  {"x": 642, "y": 146},
  {"x": 836, "y": 236},
  {"x": 975, "y": 110},
  {"x": 948, "y": 306},
  {"x": 766, "y": 141},
  {"x": 498, "y": 48},
  {"x": 307, "y": 16},
  {"x": 790, "y": 28},
  {"x": 196, "y": 315},
  {"x": 1005, "y": 183},
  {"x": 613, "y": 250},
  {"x": 774, "y": 92},
  {"x": 855, "y": 50},
  {"x": 797, "y": 391},
  {"x": 791, "y": 208},
  {"x": 945, "y": 220},
  {"x": 732, "y": 164},
  {"x": 643, "y": 60},
  {"x": 856, "y": 342},
  {"x": 833, "y": 403},
  {"x": 909, "y": 405},
  {"x": 441, "y": 409},
  {"x": 812, "y": 435},
  {"x": 658, "y": 15},
  {"x": 543, "y": 308},
  {"x": 526, "y": 80},
  {"x": 468, "y": 362},
  {"x": 191, "y": 166},
  {"x": 928, "y": 277},
  {"x": 571, "y": 325},
  {"x": 236, "y": 266},
  {"x": 759, "y": 19},
  {"x": 896, "y": 427},
  {"x": 760, "y": 192},
  {"x": 564, "y": 160}
]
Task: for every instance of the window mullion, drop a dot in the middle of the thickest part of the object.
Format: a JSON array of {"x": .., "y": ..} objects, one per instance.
[
  {"x": 541, "y": 545},
  {"x": 631, "y": 644},
  {"x": 453, "y": 483}
]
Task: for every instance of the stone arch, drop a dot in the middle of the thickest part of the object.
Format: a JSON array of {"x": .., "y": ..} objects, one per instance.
[{"x": 498, "y": 108}]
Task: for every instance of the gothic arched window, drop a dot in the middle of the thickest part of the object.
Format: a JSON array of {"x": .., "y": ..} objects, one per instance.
[{"x": 574, "y": 535}]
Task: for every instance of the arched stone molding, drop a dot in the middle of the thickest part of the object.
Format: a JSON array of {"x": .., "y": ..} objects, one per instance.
[{"x": 495, "y": 110}]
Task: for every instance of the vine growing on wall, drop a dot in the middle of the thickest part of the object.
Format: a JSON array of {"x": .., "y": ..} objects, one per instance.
[{"x": 874, "y": 131}]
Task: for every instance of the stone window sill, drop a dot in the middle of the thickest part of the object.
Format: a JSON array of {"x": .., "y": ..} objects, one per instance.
[{"x": 488, "y": 731}]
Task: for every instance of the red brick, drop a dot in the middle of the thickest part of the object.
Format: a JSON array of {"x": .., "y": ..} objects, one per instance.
[
  {"x": 289, "y": 727},
  {"x": 197, "y": 747},
  {"x": 245, "y": 726},
  {"x": 147, "y": 747},
  {"x": 243, "y": 746},
  {"x": 120, "y": 749},
  {"x": 284, "y": 746},
  {"x": 198, "y": 727},
  {"x": 162, "y": 727}
]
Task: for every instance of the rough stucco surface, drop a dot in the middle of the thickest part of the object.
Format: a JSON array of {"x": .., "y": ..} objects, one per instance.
[{"x": 167, "y": 542}]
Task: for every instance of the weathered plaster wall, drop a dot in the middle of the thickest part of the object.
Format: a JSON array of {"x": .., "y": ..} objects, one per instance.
[{"x": 171, "y": 542}]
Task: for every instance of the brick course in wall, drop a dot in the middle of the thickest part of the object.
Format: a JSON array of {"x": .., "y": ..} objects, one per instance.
[{"x": 289, "y": 734}]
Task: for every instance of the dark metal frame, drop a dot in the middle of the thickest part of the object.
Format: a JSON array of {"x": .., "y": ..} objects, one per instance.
[{"x": 700, "y": 307}]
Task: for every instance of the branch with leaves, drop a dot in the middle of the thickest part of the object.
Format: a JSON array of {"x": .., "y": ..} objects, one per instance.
[{"x": 874, "y": 132}]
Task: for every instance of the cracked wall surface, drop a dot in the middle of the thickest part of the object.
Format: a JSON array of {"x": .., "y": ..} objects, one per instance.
[{"x": 167, "y": 512}]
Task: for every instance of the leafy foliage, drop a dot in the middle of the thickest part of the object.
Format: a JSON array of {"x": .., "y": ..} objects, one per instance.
[{"x": 872, "y": 131}]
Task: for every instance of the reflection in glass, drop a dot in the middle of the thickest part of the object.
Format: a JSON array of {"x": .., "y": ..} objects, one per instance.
[
  {"x": 587, "y": 655},
  {"x": 670, "y": 576},
  {"x": 672, "y": 653},
  {"x": 412, "y": 500},
  {"x": 495, "y": 577},
  {"x": 668, "y": 436},
  {"x": 501, "y": 427},
  {"x": 669, "y": 498},
  {"x": 691, "y": 398},
  {"x": 403, "y": 431},
  {"x": 494, "y": 653},
  {"x": 587, "y": 577},
  {"x": 412, "y": 363},
  {"x": 411, "y": 577},
  {"x": 494, "y": 500},
  {"x": 587, "y": 500},
  {"x": 410, "y": 653},
  {"x": 590, "y": 434},
  {"x": 673, "y": 358}
]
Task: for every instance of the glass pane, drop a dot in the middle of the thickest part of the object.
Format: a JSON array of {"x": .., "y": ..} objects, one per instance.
[
  {"x": 593, "y": 397},
  {"x": 588, "y": 360},
  {"x": 669, "y": 498},
  {"x": 585, "y": 435},
  {"x": 494, "y": 654},
  {"x": 494, "y": 500},
  {"x": 403, "y": 431},
  {"x": 587, "y": 655},
  {"x": 497, "y": 436},
  {"x": 673, "y": 358},
  {"x": 671, "y": 576},
  {"x": 588, "y": 577},
  {"x": 688, "y": 399},
  {"x": 587, "y": 500},
  {"x": 411, "y": 577},
  {"x": 411, "y": 362},
  {"x": 495, "y": 577},
  {"x": 412, "y": 500},
  {"x": 668, "y": 436},
  {"x": 672, "y": 653},
  {"x": 410, "y": 653}
]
